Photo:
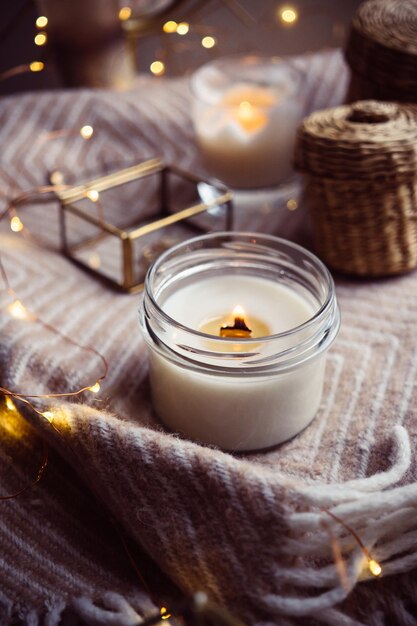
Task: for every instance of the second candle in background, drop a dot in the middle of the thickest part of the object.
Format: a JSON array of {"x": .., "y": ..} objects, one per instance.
[{"x": 246, "y": 112}]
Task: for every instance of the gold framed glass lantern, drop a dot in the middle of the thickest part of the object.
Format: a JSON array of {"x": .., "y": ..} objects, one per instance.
[{"x": 117, "y": 224}]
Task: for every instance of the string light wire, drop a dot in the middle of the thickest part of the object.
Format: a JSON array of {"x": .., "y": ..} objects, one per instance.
[
  {"x": 10, "y": 211},
  {"x": 39, "y": 476},
  {"x": 34, "y": 67},
  {"x": 373, "y": 565},
  {"x": 86, "y": 132}
]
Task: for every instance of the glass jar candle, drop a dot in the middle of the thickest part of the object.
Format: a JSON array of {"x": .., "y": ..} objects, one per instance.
[
  {"x": 246, "y": 110},
  {"x": 241, "y": 378}
]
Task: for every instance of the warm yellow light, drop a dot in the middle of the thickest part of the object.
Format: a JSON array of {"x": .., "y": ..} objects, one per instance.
[
  {"x": 183, "y": 28},
  {"x": 157, "y": 68},
  {"x": 40, "y": 39},
  {"x": 164, "y": 613},
  {"x": 18, "y": 310},
  {"x": 245, "y": 108},
  {"x": 10, "y": 404},
  {"x": 36, "y": 66},
  {"x": 208, "y": 42},
  {"x": 86, "y": 131},
  {"x": 288, "y": 15},
  {"x": 170, "y": 27},
  {"x": 93, "y": 195},
  {"x": 94, "y": 260},
  {"x": 374, "y": 567},
  {"x": 239, "y": 312},
  {"x": 16, "y": 224},
  {"x": 292, "y": 204},
  {"x": 251, "y": 118},
  {"x": 42, "y": 21},
  {"x": 95, "y": 388},
  {"x": 12, "y": 422},
  {"x": 48, "y": 415},
  {"x": 125, "y": 13}
]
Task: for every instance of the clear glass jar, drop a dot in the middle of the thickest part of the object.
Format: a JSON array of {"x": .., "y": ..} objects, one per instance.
[
  {"x": 238, "y": 394},
  {"x": 246, "y": 110}
]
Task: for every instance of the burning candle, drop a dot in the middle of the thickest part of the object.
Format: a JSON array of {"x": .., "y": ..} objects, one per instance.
[
  {"x": 245, "y": 117},
  {"x": 245, "y": 378}
]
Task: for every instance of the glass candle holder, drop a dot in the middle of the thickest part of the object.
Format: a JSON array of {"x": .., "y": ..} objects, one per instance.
[
  {"x": 238, "y": 379},
  {"x": 246, "y": 111},
  {"x": 115, "y": 225}
]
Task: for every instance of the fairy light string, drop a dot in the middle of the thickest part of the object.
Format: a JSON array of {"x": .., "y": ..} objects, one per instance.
[
  {"x": 373, "y": 565},
  {"x": 20, "y": 311},
  {"x": 39, "y": 476},
  {"x": 163, "y": 613}
]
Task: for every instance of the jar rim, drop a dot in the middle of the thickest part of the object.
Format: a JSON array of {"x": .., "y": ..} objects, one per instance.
[
  {"x": 320, "y": 313},
  {"x": 246, "y": 61}
]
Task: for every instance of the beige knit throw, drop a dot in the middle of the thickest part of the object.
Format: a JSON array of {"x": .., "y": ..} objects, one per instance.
[{"x": 250, "y": 530}]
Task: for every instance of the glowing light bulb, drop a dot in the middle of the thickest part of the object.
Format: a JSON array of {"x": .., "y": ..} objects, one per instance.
[
  {"x": 208, "y": 42},
  {"x": 42, "y": 21},
  {"x": 16, "y": 224},
  {"x": 164, "y": 613},
  {"x": 48, "y": 415},
  {"x": 41, "y": 39},
  {"x": 183, "y": 28},
  {"x": 95, "y": 388},
  {"x": 36, "y": 66},
  {"x": 125, "y": 13},
  {"x": 374, "y": 567},
  {"x": 57, "y": 177},
  {"x": 10, "y": 404},
  {"x": 18, "y": 310},
  {"x": 94, "y": 261},
  {"x": 93, "y": 195},
  {"x": 292, "y": 204},
  {"x": 288, "y": 15},
  {"x": 86, "y": 131},
  {"x": 170, "y": 27},
  {"x": 157, "y": 68}
]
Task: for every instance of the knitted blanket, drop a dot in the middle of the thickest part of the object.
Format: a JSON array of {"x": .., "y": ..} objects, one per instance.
[{"x": 253, "y": 531}]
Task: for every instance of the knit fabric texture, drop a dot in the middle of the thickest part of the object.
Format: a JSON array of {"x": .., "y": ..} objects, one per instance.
[{"x": 251, "y": 530}]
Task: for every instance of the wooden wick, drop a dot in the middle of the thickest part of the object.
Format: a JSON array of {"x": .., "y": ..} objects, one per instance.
[{"x": 239, "y": 329}]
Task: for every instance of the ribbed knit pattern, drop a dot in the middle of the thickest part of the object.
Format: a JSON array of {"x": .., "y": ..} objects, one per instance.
[{"x": 246, "y": 529}]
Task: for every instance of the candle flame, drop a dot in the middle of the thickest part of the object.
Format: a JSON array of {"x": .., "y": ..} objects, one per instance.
[
  {"x": 239, "y": 327},
  {"x": 245, "y": 108},
  {"x": 239, "y": 312},
  {"x": 251, "y": 118}
]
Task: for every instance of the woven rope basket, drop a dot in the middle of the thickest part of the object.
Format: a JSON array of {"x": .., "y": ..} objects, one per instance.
[
  {"x": 360, "y": 163},
  {"x": 382, "y": 51}
]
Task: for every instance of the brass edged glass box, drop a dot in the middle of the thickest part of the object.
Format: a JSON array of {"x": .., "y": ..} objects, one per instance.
[{"x": 117, "y": 224}]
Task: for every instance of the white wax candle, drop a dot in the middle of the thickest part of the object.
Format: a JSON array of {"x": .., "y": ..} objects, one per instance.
[
  {"x": 278, "y": 306},
  {"x": 246, "y": 138},
  {"x": 239, "y": 411}
]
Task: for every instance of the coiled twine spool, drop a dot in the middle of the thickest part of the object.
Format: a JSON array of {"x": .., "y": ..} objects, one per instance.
[
  {"x": 382, "y": 51},
  {"x": 360, "y": 163}
]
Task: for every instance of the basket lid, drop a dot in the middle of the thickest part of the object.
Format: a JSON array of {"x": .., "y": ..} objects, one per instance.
[
  {"x": 365, "y": 140},
  {"x": 382, "y": 44}
]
